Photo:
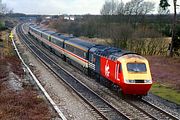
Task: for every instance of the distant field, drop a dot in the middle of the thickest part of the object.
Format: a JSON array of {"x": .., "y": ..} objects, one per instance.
[{"x": 165, "y": 71}]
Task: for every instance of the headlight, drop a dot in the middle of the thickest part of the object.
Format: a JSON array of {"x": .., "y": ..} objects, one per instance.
[
  {"x": 130, "y": 81},
  {"x": 147, "y": 81},
  {"x": 138, "y": 81}
]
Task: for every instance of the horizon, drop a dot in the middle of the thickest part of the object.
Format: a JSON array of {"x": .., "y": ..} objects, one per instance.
[{"x": 56, "y": 7}]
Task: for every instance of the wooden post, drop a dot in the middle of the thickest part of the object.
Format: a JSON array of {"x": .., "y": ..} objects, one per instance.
[{"x": 173, "y": 30}]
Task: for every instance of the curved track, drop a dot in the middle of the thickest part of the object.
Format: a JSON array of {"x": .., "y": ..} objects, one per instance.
[
  {"x": 103, "y": 108},
  {"x": 99, "y": 105},
  {"x": 151, "y": 110}
]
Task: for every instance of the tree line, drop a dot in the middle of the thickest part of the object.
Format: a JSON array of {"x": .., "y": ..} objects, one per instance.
[
  {"x": 133, "y": 7},
  {"x": 130, "y": 26}
]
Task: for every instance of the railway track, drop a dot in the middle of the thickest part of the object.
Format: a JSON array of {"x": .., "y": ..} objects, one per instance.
[
  {"x": 151, "y": 110},
  {"x": 100, "y": 108},
  {"x": 99, "y": 105},
  {"x": 162, "y": 113}
]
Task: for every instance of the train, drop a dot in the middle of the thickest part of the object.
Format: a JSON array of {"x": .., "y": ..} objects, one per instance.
[{"x": 126, "y": 71}]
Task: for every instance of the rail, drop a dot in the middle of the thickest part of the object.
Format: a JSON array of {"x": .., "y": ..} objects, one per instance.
[{"x": 39, "y": 84}]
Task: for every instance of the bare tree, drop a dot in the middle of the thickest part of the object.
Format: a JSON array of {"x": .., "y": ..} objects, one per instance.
[
  {"x": 106, "y": 8},
  {"x": 173, "y": 29},
  {"x": 120, "y": 8},
  {"x": 146, "y": 7},
  {"x": 128, "y": 9},
  {"x": 138, "y": 7},
  {"x": 4, "y": 9},
  {"x": 162, "y": 11},
  {"x": 133, "y": 7},
  {"x": 10, "y": 11},
  {"x": 110, "y": 8}
]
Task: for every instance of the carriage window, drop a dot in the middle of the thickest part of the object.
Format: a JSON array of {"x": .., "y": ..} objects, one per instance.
[
  {"x": 92, "y": 58},
  {"x": 53, "y": 40},
  {"x": 84, "y": 54},
  {"x": 136, "y": 67},
  {"x": 70, "y": 48},
  {"x": 59, "y": 43}
]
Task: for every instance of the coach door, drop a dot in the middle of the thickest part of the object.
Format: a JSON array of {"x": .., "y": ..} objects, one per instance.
[{"x": 118, "y": 71}]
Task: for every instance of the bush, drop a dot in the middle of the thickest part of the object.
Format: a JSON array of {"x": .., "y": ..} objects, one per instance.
[
  {"x": 2, "y": 26},
  {"x": 143, "y": 37}
]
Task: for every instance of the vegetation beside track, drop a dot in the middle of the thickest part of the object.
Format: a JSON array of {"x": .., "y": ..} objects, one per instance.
[
  {"x": 165, "y": 74},
  {"x": 19, "y": 98},
  {"x": 166, "y": 92}
]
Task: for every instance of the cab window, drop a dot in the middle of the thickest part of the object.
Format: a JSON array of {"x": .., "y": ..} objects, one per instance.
[{"x": 136, "y": 67}]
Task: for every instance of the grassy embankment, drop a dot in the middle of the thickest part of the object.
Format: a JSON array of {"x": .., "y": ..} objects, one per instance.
[
  {"x": 165, "y": 92},
  {"x": 165, "y": 73}
]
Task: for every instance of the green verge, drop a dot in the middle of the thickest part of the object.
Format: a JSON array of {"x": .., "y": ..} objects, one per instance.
[{"x": 166, "y": 93}]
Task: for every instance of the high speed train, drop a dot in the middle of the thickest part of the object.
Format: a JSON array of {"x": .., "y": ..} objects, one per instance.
[{"x": 125, "y": 70}]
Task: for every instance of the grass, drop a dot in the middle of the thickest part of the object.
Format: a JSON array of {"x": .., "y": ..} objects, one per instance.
[
  {"x": 6, "y": 47},
  {"x": 166, "y": 93}
]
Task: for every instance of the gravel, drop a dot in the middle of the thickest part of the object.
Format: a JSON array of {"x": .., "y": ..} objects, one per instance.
[
  {"x": 164, "y": 104},
  {"x": 71, "y": 105},
  {"x": 15, "y": 82},
  {"x": 108, "y": 94}
]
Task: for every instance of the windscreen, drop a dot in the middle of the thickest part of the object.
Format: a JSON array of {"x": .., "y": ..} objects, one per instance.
[{"x": 136, "y": 67}]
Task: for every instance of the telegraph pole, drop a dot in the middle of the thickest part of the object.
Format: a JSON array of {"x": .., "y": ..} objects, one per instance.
[{"x": 173, "y": 30}]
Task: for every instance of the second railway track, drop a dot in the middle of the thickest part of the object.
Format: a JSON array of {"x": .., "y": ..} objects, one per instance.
[{"x": 151, "y": 109}]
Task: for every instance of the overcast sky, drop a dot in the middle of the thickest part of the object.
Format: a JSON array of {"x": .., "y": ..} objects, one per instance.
[{"x": 54, "y": 7}]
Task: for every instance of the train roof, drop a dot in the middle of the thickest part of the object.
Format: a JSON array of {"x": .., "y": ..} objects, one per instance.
[
  {"x": 32, "y": 25},
  {"x": 38, "y": 28},
  {"x": 109, "y": 52},
  {"x": 41, "y": 29},
  {"x": 54, "y": 34},
  {"x": 106, "y": 51},
  {"x": 50, "y": 32},
  {"x": 80, "y": 43},
  {"x": 35, "y": 26},
  {"x": 64, "y": 37}
]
